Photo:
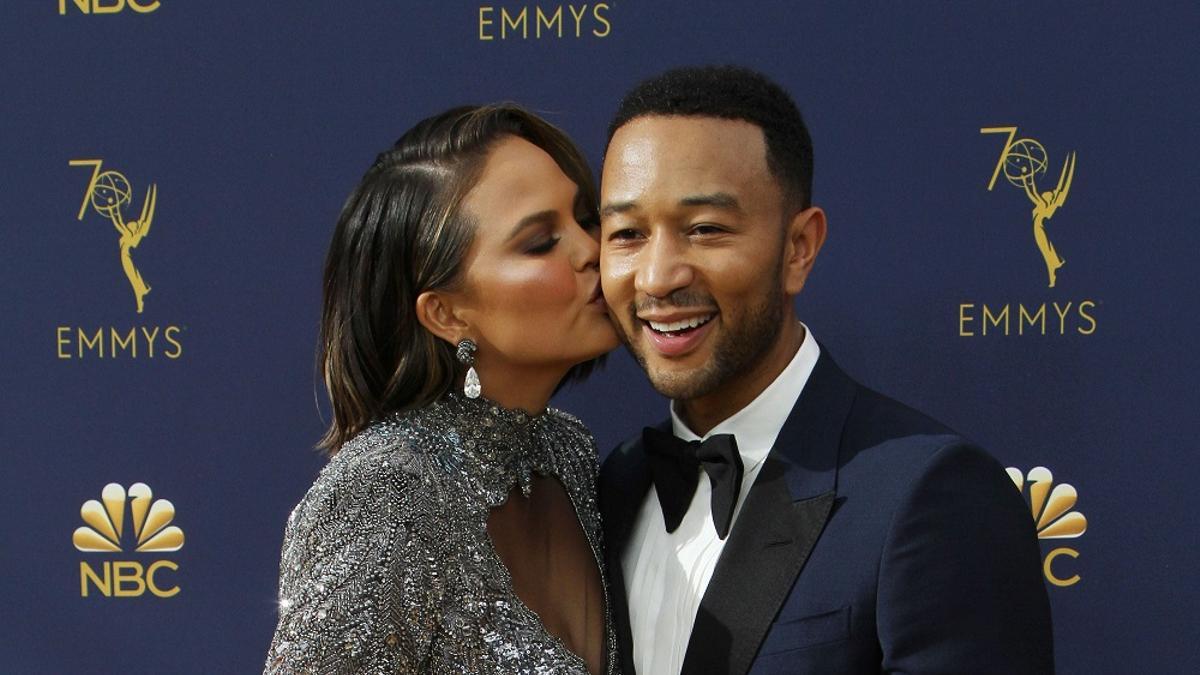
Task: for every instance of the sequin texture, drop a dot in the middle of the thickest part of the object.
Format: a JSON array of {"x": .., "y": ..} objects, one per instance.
[{"x": 387, "y": 566}]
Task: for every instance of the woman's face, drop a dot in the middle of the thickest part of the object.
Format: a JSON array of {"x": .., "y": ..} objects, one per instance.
[{"x": 531, "y": 294}]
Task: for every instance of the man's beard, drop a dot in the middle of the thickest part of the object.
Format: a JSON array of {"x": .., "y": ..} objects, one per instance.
[{"x": 742, "y": 343}]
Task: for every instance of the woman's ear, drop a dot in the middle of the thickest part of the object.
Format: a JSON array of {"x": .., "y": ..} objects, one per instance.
[{"x": 436, "y": 312}]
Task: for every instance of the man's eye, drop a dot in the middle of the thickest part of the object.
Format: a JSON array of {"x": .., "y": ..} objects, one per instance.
[
  {"x": 707, "y": 228},
  {"x": 625, "y": 234}
]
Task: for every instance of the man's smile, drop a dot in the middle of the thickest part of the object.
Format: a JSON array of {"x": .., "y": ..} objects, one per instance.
[{"x": 673, "y": 336}]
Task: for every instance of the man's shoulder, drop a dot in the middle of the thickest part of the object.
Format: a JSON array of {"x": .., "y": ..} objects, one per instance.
[
  {"x": 876, "y": 416},
  {"x": 861, "y": 418},
  {"x": 897, "y": 443},
  {"x": 887, "y": 442}
]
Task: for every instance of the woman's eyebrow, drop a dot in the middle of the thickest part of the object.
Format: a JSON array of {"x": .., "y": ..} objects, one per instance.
[{"x": 547, "y": 217}]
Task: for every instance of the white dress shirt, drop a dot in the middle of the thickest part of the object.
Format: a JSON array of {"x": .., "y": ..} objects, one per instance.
[{"x": 666, "y": 573}]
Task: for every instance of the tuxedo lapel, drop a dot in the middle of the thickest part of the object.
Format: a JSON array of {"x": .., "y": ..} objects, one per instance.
[
  {"x": 754, "y": 574},
  {"x": 625, "y": 479},
  {"x": 776, "y": 530}
]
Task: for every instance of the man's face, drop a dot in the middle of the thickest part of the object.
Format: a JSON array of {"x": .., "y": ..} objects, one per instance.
[{"x": 692, "y": 249}]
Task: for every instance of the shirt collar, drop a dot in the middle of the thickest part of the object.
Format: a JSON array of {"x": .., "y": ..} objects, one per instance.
[{"x": 758, "y": 424}]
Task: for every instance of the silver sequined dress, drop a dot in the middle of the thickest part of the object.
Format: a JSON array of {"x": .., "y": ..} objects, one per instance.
[{"x": 387, "y": 566}]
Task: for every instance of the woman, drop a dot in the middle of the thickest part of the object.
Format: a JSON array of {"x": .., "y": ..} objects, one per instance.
[{"x": 453, "y": 532}]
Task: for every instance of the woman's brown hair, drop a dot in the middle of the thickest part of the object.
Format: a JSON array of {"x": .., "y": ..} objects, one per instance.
[{"x": 402, "y": 232}]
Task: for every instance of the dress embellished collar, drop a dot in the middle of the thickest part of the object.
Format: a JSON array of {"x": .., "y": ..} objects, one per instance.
[{"x": 507, "y": 446}]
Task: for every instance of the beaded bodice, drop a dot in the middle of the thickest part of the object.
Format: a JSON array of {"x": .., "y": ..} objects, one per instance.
[{"x": 387, "y": 566}]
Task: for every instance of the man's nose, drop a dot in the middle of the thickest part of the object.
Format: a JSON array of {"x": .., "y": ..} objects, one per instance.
[{"x": 663, "y": 268}]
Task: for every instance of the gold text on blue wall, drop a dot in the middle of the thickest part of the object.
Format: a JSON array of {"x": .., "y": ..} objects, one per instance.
[
  {"x": 106, "y": 6},
  {"x": 537, "y": 22},
  {"x": 110, "y": 342},
  {"x": 1065, "y": 317}
]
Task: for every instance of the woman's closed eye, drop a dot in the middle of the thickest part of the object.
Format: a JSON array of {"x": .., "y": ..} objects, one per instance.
[{"x": 542, "y": 245}]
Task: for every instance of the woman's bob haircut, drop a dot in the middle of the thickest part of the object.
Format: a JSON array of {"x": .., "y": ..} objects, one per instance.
[{"x": 403, "y": 231}]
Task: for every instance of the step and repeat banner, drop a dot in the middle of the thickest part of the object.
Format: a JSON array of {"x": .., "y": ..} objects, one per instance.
[{"x": 1010, "y": 188}]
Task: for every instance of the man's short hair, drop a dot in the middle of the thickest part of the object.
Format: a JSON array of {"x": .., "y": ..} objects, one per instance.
[{"x": 732, "y": 93}]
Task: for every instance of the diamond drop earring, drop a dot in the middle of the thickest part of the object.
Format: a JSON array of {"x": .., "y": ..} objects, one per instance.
[{"x": 466, "y": 356}]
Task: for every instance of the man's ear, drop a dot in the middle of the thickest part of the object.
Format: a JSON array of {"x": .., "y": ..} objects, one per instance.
[
  {"x": 436, "y": 312},
  {"x": 805, "y": 236}
]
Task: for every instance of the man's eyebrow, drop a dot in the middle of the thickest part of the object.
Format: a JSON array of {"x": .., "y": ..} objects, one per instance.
[
  {"x": 547, "y": 217},
  {"x": 721, "y": 200},
  {"x": 613, "y": 208}
]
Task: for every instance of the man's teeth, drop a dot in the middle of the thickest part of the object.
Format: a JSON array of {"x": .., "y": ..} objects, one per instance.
[{"x": 676, "y": 326}]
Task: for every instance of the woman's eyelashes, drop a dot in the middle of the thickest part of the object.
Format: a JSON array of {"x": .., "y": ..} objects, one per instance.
[
  {"x": 542, "y": 245},
  {"x": 546, "y": 242}
]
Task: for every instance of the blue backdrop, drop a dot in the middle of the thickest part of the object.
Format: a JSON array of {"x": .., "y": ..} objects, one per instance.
[{"x": 253, "y": 121}]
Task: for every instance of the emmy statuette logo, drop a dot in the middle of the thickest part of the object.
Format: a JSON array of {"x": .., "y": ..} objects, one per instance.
[
  {"x": 1051, "y": 506},
  {"x": 1026, "y": 165},
  {"x": 109, "y": 193},
  {"x": 109, "y": 197},
  {"x": 149, "y": 531},
  {"x": 1022, "y": 161}
]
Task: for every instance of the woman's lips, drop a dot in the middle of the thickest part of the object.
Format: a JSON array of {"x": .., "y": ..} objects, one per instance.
[
  {"x": 678, "y": 343},
  {"x": 597, "y": 298}
]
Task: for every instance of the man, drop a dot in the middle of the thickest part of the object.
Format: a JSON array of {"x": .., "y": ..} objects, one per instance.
[{"x": 785, "y": 519}]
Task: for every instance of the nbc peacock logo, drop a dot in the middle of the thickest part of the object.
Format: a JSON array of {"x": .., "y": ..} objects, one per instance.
[
  {"x": 150, "y": 531},
  {"x": 1051, "y": 506}
]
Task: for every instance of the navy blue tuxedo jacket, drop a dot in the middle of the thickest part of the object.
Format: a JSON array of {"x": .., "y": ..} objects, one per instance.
[{"x": 874, "y": 540}]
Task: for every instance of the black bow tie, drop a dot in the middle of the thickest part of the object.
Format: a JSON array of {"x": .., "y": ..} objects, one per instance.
[{"x": 673, "y": 465}]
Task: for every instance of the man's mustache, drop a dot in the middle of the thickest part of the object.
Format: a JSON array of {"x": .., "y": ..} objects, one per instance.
[{"x": 679, "y": 299}]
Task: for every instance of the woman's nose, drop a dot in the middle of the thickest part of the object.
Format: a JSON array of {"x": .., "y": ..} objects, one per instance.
[{"x": 586, "y": 251}]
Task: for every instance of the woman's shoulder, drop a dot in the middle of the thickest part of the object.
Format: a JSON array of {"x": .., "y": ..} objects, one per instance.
[
  {"x": 362, "y": 544},
  {"x": 384, "y": 467},
  {"x": 389, "y": 450}
]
